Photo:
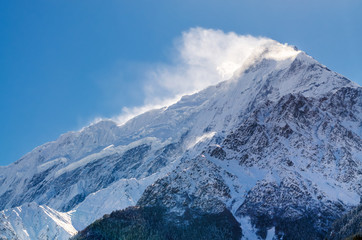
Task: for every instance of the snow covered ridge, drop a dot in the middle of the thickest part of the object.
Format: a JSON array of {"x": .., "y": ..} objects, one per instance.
[
  {"x": 278, "y": 142},
  {"x": 32, "y": 221}
]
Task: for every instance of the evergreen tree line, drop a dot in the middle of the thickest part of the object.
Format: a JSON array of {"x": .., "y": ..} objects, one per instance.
[
  {"x": 348, "y": 227},
  {"x": 155, "y": 223}
]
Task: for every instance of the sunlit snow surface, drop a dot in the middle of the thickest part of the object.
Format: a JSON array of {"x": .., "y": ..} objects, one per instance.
[
  {"x": 31, "y": 221},
  {"x": 192, "y": 124}
]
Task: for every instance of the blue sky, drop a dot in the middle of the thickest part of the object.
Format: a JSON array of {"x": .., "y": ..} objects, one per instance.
[{"x": 64, "y": 63}]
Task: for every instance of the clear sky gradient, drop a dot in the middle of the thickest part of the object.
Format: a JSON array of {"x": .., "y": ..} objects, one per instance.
[{"x": 64, "y": 63}]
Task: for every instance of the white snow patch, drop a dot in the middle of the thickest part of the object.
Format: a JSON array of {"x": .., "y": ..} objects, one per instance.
[
  {"x": 51, "y": 163},
  {"x": 32, "y": 221},
  {"x": 109, "y": 147},
  {"x": 248, "y": 230},
  {"x": 201, "y": 138},
  {"x": 334, "y": 190},
  {"x": 105, "y": 152},
  {"x": 271, "y": 233},
  {"x": 26, "y": 233},
  {"x": 61, "y": 219},
  {"x": 117, "y": 196}
]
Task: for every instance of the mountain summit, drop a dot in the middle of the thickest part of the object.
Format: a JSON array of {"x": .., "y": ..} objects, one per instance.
[{"x": 277, "y": 148}]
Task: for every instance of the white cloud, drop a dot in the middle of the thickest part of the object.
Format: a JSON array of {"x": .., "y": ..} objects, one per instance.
[{"x": 202, "y": 57}]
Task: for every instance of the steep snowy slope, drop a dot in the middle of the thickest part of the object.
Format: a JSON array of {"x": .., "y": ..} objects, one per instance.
[
  {"x": 32, "y": 221},
  {"x": 291, "y": 164},
  {"x": 281, "y": 137}
]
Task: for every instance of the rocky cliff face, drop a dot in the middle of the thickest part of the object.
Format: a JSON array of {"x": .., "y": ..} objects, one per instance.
[
  {"x": 291, "y": 164},
  {"x": 278, "y": 145}
]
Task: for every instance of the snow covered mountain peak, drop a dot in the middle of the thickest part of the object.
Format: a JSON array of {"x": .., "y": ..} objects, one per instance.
[
  {"x": 275, "y": 51},
  {"x": 283, "y": 125},
  {"x": 270, "y": 49},
  {"x": 279, "y": 69}
]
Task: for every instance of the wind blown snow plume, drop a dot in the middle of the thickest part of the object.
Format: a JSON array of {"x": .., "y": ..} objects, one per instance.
[{"x": 201, "y": 57}]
